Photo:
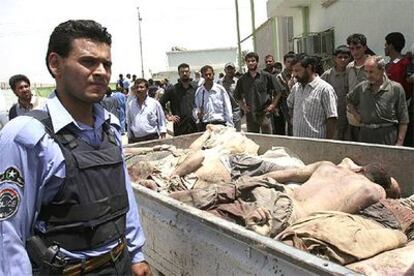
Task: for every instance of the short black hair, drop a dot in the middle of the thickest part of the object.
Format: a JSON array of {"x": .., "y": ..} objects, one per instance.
[
  {"x": 205, "y": 68},
  {"x": 304, "y": 60},
  {"x": 376, "y": 173},
  {"x": 252, "y": 55},
  {"x": 278, "y": 65},
  {"x": 342, "y": 49},
  {"x": 396, "y": 39},
  {"x": 357, "y": 39},
  {"x": 60, "y": 40},
  {"x": 16, "y": 79},
  {"x": 269, "y": 56},
  {"x": 141, "y": 80},
  {"x": 183, "y": 65},
  {"x": 289, "y": 55}
]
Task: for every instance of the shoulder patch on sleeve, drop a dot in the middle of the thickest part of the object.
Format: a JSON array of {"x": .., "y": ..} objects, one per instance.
[
  {"x": 31, "y": 133},
  {"x": 12, "y": 175},
  {"x": 9, "y": 203}
]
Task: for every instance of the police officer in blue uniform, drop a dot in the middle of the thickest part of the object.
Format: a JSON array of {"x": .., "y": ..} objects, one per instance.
[{"x": 66, "y": 202}]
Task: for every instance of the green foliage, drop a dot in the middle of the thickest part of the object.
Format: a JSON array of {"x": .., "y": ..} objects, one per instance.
[{"x": 44, "y": 91}]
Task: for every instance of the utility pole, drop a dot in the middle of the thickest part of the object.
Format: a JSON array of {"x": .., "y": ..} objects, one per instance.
[
  {"x": 253, "y": 24},
  {"x": 140, "y": 43},
  {"x": 238, "y": 36}
]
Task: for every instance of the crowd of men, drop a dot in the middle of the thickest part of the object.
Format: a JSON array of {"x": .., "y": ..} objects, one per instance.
[
  {"x": 67, "y": 205},
  {"x": 361, "y": 98}
]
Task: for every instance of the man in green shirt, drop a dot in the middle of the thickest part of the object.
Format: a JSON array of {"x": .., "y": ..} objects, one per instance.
[{"x": 379, "y": 105}]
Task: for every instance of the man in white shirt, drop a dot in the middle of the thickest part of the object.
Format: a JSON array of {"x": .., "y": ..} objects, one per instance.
[
  {"x": 212, "y": 102},
  {"x": 145, "y": 117}
]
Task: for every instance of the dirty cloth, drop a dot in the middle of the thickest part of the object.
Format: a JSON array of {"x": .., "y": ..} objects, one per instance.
[
  {"x": 215, "y": 167},
  {"x": 278, "y": 158},
  {"x": 392, "y": 214},
  {"x": 157, "y": 164},
  {"x": 227, "y": 138},
  {"x": 234, "y": 202},
  {"x": 340, "y": 237},
  {"x": 394, "y": 262}
]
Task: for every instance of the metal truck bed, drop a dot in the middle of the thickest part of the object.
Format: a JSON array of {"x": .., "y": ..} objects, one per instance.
[{"x": 182, "y": 240}]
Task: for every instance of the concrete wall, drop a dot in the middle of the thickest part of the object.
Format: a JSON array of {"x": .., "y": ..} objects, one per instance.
[{"x": 374, "y": 18}]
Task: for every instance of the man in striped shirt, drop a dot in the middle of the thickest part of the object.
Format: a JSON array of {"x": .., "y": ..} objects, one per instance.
[{"x": 312, "y": 102}]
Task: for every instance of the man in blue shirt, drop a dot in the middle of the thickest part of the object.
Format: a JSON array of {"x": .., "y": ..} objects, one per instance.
[{"x": 66, "y": 201}]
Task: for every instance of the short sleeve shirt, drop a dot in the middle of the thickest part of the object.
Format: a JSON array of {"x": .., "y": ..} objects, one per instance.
[
  {"x": 257, "y": 92},
  {"x": 388, "y": 105},
  {"x": 312, "y": 105}
]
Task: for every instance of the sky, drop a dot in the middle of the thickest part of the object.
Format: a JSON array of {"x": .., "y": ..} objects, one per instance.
[{"x": 25, "y": 27}]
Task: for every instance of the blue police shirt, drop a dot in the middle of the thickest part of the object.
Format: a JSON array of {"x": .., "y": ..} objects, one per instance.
[{"x": 31, "y": 172}]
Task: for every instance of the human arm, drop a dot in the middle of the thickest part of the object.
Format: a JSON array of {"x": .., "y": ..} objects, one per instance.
[
  {"x": 228, "y": 114},
  {"x": 38, "y": 161},
  {"x": 402, "y": 131},
  {"x": 276, "y": 91},
  {"x": 330, "y": 127},
  {"x": 198, "y": 105},
  {"x": 402, "y": 115},
  {"x": 329, "y": 104},
  {"x": 162, "y": 127},
  {"x": 297, "y": 175},
  {"x": 352, "y": 100},
  {"x": 128, "y": 119},
  {"x": 133, "y": 232},
  {"x": 290, "y": 104},
  {"x": 239, "y": 96},
  {"x": 166, "y": 98}
]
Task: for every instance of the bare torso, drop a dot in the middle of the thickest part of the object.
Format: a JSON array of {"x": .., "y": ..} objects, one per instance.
[{"x": 336, "y": 188}]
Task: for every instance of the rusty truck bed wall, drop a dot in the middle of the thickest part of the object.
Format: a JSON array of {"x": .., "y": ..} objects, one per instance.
[{"x": 181, "y": 240}]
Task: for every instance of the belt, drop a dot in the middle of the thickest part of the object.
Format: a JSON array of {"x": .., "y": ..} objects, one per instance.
[
  {"x": 374, "y": 126},
  {"x": 95, "y": 262},
  {"x": 215, "y": 122},
  {"x": 148, "y": 137}
]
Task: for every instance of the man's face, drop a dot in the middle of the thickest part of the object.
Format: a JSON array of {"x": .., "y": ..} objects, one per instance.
[
  {"x": 251, "y": 64},
  {"x": 208, "y": 75},
  {"x": 342, "y": 60},
  {"x": 22, "y": 91},
  {"x": 230, "y": 71},
  {"x": 84, "y": 74},
  {"x": 387, "y": 48},
  {"x": 288, "y": 64},
  {"x": 269, "y": 62},
  {"x": 357, "y": 50},
  {"x": 374, "y": 74},
  {"x": 184, "y": 74},
  {"x": 140, "y": 89},
  {"x": 301, "y": 73}
]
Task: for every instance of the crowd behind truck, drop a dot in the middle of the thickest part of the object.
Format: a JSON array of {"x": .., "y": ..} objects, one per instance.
[{"x": 270, "y": 100}]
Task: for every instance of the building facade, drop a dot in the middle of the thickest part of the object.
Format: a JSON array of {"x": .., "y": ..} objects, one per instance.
[{"x": 318, "y": 26}]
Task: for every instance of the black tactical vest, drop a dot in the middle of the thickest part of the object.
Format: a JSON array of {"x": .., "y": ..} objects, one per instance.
[{"x": 89, "y": 210}]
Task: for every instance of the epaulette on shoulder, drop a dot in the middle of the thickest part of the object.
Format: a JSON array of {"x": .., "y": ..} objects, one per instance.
[{"x": 30, "y": 133}]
